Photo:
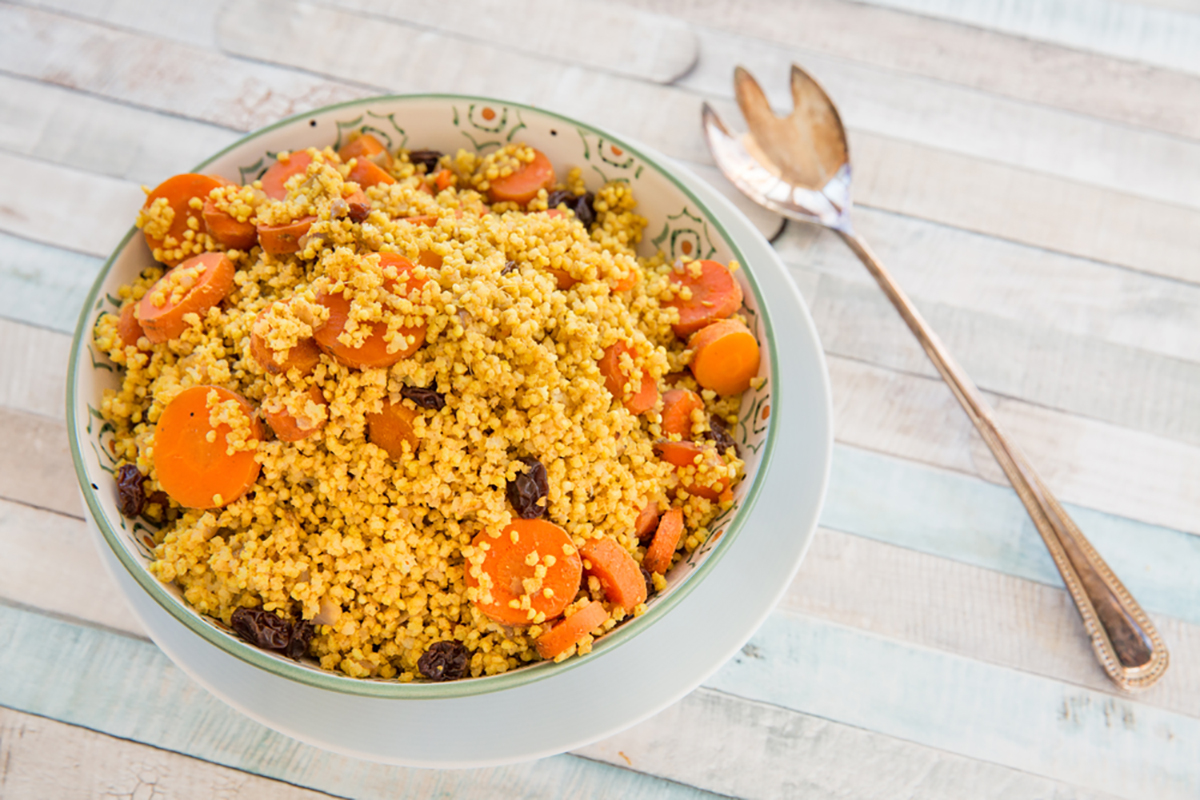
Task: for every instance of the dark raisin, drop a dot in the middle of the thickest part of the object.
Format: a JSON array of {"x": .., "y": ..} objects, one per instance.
[
  {"x": 427, "y": 157},
  {"x": 650, "y": 590},
  {"x": 425, "y": 398},
  {"x": 719, "y": 436},
  {"x": 302, "y": 633},
  {"x": 509, "y": 266},
  {"x": 358, "y": 211},
  {"x": 581, "y": 204},
  {"x": 131, "y": 499},
  {"x": 262, "y": 628},
  {"x": 444, "y": 661},
  {"x": 527, "y": 490},
  {"x": 559, "y": 196}
]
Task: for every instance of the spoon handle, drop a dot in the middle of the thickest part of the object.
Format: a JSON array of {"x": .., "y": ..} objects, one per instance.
[{"x": 1124, "y": 639}]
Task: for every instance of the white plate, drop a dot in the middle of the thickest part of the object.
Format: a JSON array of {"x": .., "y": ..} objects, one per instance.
[{"x": 624, "y": 685}]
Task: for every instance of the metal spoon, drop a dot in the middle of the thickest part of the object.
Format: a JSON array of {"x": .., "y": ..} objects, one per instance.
[{"x": 799, "y": 166}]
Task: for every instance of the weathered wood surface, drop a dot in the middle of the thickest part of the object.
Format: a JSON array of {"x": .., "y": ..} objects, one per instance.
[{"x": 1030, "y": 174}]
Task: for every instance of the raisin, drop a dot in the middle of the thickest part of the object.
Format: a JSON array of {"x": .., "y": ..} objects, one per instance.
[
  {"x": 509, "y": 266},
  {"x": 262, "y": 628},
  {"x": 650, "y": 590},
  {"x": 358, "y": 211},
  {"x": 581, "y": 204},
  {"x": 302, "y": 633},
  {"x": 444, "y": 661},
  {"x": 131, "y": 497},
  {"x": 529, "y": 487},
  {"x": 427, "y": 157},
  {"x": 425, "y": 397},
  {"x": 719, "y": 436}
]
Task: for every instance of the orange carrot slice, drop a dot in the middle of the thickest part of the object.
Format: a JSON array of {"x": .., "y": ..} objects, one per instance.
[
  {"x": 277, "y": 174},
  {"x": 443, "y": 180},
  {"x": 421, "y": 219},
  {"x": 523, "y": 184},
  {"x": 288, "y": 427},
  {"x": 678, "y": 406},
  {"x": 196, "y": 472},
  {"x": 222, "y": 226},
  {"x": 646, "y": 522},
  {"x": 366, "y": 148},
  {"x": 615, "y": 379},
  {"x": 725, "y": 356},
  {"x": 128, "y": 328},
  {"x": 194, "y": 286},
  {"x": 374, "y": 350},
  {"x": 562, "y": 278},
  {"x": 666, "y": 539},
  {"x": 284, "y": 239},
  {"x": 304, "y": 356},
  {"x": 690, "y": 454},
  {"x": 570, "y": 631},
  {"x": 178, "y": 191},
  {"x": 714, "y": 295},
  {"x": 514, "y": 593},
  {"x": 616, "y": 570},
  {"x": 366, "y": 174},
  {"x": 392, "y": 428}
]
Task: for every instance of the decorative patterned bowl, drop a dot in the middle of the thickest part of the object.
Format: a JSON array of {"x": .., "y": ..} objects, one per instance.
[{"x": 679, "y": 225}]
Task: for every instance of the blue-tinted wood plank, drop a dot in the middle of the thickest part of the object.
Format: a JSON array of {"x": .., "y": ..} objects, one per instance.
[{"x": 43, "y": 285}]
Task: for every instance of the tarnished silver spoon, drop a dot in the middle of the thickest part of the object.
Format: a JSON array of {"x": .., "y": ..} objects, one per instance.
[{"x": 799, "y": 166}]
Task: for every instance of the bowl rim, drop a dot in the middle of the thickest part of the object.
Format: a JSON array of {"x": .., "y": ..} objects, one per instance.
[{"x": 390, "y": 688}]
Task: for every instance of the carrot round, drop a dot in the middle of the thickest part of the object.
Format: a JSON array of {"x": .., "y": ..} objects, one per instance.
[
  {"x": 194, "y": 286},
  {"x": 714, "y": 295},
  {"x": 616, "y": 570},
  {"x": 690, "y": 454},
  {"x": 366, "y": 174},
  {"x": 632, "y": 279},
  {"x": 196, "y": 472},
  {"x": 646, "y": 522},
  {"x": 725, "y": 356},
  {"x": 128, "y": 328},
  {"x": 515, "y": 593},
  {"x": 422, "y": 219},
  {"x": 366, "y": 148},
  {"x": 178, "y": 191},
  {"x": 277, "y": 174},
  {"x": 288, "y": 427},
  {"x": 570, "y": 631},
  {"x": 443, "y": 180},
  {"x": 392, "y": 428},
  {"x": 281, "y": 240},
  {"x": 374, "y": 350},
  {"x": 666, "y": 539},
  {"x": 678, "y": 405},
  {"x": 562, "y": 278},
  {"x": 615, "y": 379},
  {"x": 524, "y": 183},
  {"x": 222, "y": 226},
  {"x": 304, "y": 356}
]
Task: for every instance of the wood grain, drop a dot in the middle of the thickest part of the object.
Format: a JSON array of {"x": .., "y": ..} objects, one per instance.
[
  {"x": 33, "y": 369},
  {"x": 35, "y": 463},
  {"x": 42, "y": 285}
]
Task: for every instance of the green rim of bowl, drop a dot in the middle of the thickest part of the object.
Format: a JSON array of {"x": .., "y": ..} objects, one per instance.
[{"x": 392, "y": 689}]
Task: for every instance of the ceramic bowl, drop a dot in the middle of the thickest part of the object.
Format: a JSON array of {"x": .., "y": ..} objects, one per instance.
[{"x": 680, "y": 225}]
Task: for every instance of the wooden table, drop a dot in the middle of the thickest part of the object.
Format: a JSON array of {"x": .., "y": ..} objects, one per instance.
[{"x": 1031, "y": 173}]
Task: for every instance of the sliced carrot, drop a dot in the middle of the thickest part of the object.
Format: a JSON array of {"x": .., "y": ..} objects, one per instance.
[
  {"x": 714, "y": 295},
  {"x": 690, "y": 454},
  {"x": 725, "y": 356},
  {"x": 443, "y": 180},
  {"x": 304, "y": 356},
  {"x": 422, "y": 219},
  {"x": 374, "y": 350},
  {"x": 628, "y": 282},
  {"x": 194, "y": 286},
  {"x": 282, "y": 240},
  {"x": 523, "y": 184},
  {"x": 197, "y": 472},
  {"x": 568, "y": 633},
  {"x": 277, "y": 174},
  {"x": 128, "y": 328},
  {"x": 430, "y": 259},
  {"x": 678, "y": 406},
  {"x": 179, "y": 191},
  {"x": 666, "y": 539},
  {"x": 615, "y": 380},
  {"x": 618, "y": 573},
  {"x": 646, "y": 522},
  {"x": 515, "y": 594},
  {"x": 222, "y": 226},
  {"x": 288, "y": 427},
  {"x": 562, "y": 278},
  {"x": 366, "y": 174},
  {"x": 366, "y": 148},
  {"x": 392, "y": 428}
]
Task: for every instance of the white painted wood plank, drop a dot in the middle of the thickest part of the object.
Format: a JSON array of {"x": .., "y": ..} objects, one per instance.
[
  {"x": 1157, "y": 36},
  {"x": 41, "y": 758},
  {"x": 622, "y": 40},
  {"x": 754, "y": 750},
  {"x": 1034, "y": 72},
  {"x": 963, "y": 120},
  {"x": 191, "y": 22},
  {"x": 127, "y": 688},
  {"x": 33, "y": 369},
  {"x": 35, "y": 463},
  {"x": 980, "y": 614},
  {"x": 42, "y": 285}
]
